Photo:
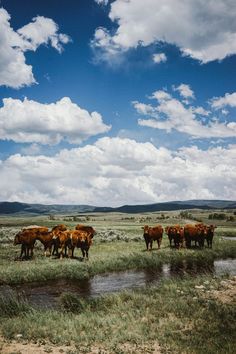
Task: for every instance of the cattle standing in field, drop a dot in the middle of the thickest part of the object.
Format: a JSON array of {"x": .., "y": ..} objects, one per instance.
[
  {"x": 27, "y": 238},
  {"x": 74, "y": 238},
  {"x": 196, "y": 233},
  {"x": 151, "y": 234},
  {"x": 80, "y": 239},
  {"x": 175, "y": 233},
  {"x": 55, "y": 231},
  {"x": 209, "y": 235}
]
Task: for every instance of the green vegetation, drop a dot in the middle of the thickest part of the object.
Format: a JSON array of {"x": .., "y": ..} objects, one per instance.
[
  {"x": 104, "y": 257},
  {"x": 179, "y": 315}
]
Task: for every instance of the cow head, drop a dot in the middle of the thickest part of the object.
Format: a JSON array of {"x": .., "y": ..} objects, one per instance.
[
  {"x": 145, "y": 229},
  {"x": 84, "y": 237},
  {"x": 17, "y": 239},
  {"x": 60, "y": 227},
  {"x": 211, "y": 229}
]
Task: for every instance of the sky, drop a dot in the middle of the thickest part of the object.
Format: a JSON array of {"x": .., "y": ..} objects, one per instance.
[{"x": 111, "y": 102}]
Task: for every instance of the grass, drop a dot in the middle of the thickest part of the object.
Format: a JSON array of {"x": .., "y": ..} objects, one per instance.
[
  {"x": 176, "y": 315},
  {"x": 104, "y": 257}
]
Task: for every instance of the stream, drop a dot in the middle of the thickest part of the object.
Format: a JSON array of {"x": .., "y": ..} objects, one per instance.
[{"x": 46, "y": 294}]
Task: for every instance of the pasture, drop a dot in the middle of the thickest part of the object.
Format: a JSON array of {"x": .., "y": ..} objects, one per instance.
[{"x": 172, "y": 316}]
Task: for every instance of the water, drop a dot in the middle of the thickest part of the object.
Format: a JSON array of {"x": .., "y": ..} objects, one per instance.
[
  {"x": 231, "y": 238},
  {"x": 46, "y": 295}
]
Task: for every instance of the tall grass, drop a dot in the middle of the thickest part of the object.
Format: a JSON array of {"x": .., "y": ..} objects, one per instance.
[{"x": 178, "y": 316}]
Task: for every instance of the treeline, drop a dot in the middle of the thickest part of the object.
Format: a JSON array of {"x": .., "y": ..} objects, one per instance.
[{"x": 221, "y": 216}]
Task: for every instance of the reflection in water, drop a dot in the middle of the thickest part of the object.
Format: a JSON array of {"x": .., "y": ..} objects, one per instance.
[{"x": 47, "y": 294}]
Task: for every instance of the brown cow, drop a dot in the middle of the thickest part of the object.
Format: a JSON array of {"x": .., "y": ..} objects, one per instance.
[
  {"x": 210, "y": 234},
  {"x": 55, "y": 241},
  {"x": 176, "y": 233},
  {"x": 27, "y": 238},
  {"x": 62, "y": 240},
  {"x": 89, "y": 229},
  {"x": 80, "y": 239},
  {"x": 195, "y": 233},
  {"x": 151, "y": 234}
]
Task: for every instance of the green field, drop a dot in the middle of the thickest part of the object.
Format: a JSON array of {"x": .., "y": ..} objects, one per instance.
[{"x": 173, "y": 317}]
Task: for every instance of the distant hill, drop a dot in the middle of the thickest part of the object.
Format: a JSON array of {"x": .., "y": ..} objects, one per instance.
[
  {"x": 175, "y": 205},
  {"x": 23, "y": 208},
  {"x": 37, "y": 209}
]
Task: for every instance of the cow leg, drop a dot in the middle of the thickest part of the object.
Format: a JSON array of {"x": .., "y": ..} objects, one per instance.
[
  {"x": 211, "y": 242},
  {"x": 151, "y": 245},
  {"x": 71, "y": 251},
  {"x": 87, "y": 251},
  {"x": 147, "y": 242},
  {"x": 83, "y": 252},
  {"x": 61, "y": 252},
  {"x": 22, "y": 251}
]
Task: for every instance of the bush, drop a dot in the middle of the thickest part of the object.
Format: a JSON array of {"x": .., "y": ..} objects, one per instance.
[
  {"x": 71, "y": 302},
  {"x": 11, "y": 305}
]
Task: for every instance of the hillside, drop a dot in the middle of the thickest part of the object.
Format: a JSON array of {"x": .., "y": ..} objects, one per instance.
[{"x": 18, "y": 208}]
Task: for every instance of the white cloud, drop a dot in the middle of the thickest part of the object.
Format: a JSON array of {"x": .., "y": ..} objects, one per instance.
[
  {"x": 117, "y": 171},
  {"x": 227, "y": 100},
  {"x": 102, "y": 2},
  {"x": 170, "y": 113},
  {"x": 159, "y": 58},
  {"x": 31, "y": 121},
  {"x": 185, "y": 91},
  {"x": 14, "y": 72},
  {"x": 32, "y": 149},
  {"x": 204, "y": 30},
  {"x": 161, "y": 95},
  {"x": 143, "y": 108},
  {"x": 42, "y": 30}
]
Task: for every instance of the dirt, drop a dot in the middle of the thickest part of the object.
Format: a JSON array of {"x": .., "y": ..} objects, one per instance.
[
  {"x": 226, "y": 292},
  {"x": 25, "y": 347}
]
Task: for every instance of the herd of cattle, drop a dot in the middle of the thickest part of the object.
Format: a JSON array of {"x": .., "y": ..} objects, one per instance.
[
  {"x": 182, "y": 236},
  {"x": 56, "y": 241},
  {"x": 60, "y": 239}
]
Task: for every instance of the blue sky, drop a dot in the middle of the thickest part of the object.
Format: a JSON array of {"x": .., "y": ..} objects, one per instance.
[{"x": 161, "y": 84}]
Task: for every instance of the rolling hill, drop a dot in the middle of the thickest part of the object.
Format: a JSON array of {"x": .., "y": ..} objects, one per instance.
[{"x": 18, "y": 208}]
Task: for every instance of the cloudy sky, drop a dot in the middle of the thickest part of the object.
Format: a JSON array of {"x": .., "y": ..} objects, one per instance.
[{"x": 112, "y": 102}]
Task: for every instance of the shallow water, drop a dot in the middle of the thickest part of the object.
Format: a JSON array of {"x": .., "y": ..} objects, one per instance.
[{"x": 46, "y": 295}]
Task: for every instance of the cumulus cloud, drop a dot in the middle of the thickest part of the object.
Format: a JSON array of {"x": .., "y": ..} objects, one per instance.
[
  {"x": 203, "y": 30},
  {"x": 228, "y": 100},
  {"x": 159, "y": 58},
  {"x": 14, "y": 72},
  {"x": 185, "y": 91},
  {"x": 33, "y": 122},
  {"x": 117, "y": 171},
  {"x": 171, "y": 113}
]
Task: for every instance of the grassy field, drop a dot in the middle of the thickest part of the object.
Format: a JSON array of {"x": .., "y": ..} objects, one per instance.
[{"x": 180, "y": 315}]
